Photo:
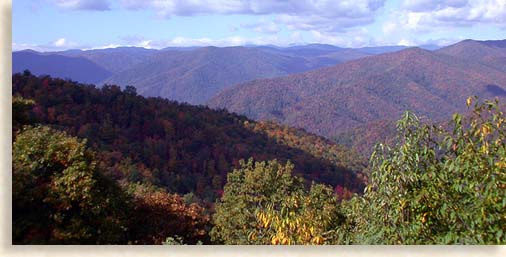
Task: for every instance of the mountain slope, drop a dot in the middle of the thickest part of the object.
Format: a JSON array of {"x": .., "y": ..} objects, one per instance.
[
  {"x": 491, "y": 53},
  {"x": 113, "y": 59},
  {"x": 319, "y": 55},
  {"x": 75, "y": 68},
  {"x": 331, "y": 100},
  {"x": 179, "y": 147},
  {"x": 363, "y": 138},
  {"x": 195, "y": 76}
]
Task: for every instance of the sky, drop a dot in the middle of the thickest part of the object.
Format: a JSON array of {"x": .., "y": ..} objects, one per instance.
[{"x": 53, "y": 25}]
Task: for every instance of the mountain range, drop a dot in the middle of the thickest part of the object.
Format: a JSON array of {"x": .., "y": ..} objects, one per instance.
[
  {"x": 179, "y": 147},
  {"x": 186, "y": 74},
  {"x": 331, "y": 100},
  {"x": 325, "y": 89},
  {"x": 75, "y": 68}
]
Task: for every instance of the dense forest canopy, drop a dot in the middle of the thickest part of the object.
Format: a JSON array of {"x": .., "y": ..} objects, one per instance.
[
  {"x": 183, "y": 148},
  {"x": 106, "y": 166}
]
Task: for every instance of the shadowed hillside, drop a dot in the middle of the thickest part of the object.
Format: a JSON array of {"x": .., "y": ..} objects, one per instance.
[{"x": 179, "y": 147}]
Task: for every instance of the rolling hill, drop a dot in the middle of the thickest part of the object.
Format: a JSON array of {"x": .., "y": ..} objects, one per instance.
[
  {"x": 75, "y": 68},
  {"x": 491, "y": 53},
  {"x": 331, "y": 100},
  {"x": 195, "y": 76},
  {"x": 179, "y": 147},
  {"x": 113, "y": 59},
  {"x": 188, "y": 74},
  {"x": 319, "y": 55}
]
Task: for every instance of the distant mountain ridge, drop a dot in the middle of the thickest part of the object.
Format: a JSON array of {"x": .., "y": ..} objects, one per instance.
[
  {"x": 329, "y": 101},
  {"x": 113, "y": 59},
  {"x": 368, "y": 86},
  {"x": 491, "y": 53},
  {"x": 75, "y": 68},
  {"x": 195, "y": 74}
]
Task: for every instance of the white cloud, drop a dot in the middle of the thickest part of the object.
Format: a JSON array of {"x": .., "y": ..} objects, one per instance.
[
  {"x": 95, "y": 5},
  {"x": 103, "y": 47},
  {"x": 19, "y": 47},
  {"x": 204, "y": 41},
  {"x": 351, "y": 38},
  {"x": 263, "y": 26},
  {"x": 328, "y": 15},
  {"x": 60, "y": 42},
  {"x": 405, "y": 42},
  {"x": 389, "y": 28},
  {"x": 63, "y": 43},
  {"x": 420, "y": 15},
  {"x": 430, "y": 5},
  {"x": 414, "y": 21}
]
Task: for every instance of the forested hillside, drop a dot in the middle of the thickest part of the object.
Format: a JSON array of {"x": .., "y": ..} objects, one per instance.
[
  {"x": 433, "y": 184},
  {"x": 363, "y": 138},
  {"x": 182, "y": 148},
  {"x": 330, "y": 101},
  {"x": 195, "y": 76},
  {"x": 491, "y": 53},
  {"x": 191, "y": 74},
  {"x": 106, "y": 166}
]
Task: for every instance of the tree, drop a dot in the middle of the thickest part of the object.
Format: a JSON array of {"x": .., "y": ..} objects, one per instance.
[
  {"x": 263, "y": 203},
  {"x": 252, "y": 186},
  {"x": 20, "y": 106},
  {"x": 177, "y": 146},
  {"x": 302, "y": 218},
  {"x": 59, "y": 197},
  {"x": 438, "y": 184},
  {"x": 158, "y": 215}
]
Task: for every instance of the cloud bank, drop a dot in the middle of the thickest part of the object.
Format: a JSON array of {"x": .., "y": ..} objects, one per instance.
[
  {"x": 323, "y": 15},
  {"x": 426, "y": 14},
  {"x": 349, "y": 23},
  {"x": 93, "y": 5}
]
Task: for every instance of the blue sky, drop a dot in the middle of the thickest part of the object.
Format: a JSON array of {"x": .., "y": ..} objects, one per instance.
[{"x": 49, "y": 25}]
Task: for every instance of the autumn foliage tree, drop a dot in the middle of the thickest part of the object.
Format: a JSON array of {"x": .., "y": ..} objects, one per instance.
[
  {"x": 438, "y": 184},
  {"x": 177, "y": 147},
  {"x": 158, "y": 215},
  {"x": 263, "y": 203},
  {"x": 20, "y": 107},
  {"x": 59, "y": 197},
  {"x": 301, "y": 218}
]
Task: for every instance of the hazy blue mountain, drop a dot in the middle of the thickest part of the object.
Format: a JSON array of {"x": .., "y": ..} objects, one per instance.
[
  {"x": 381, "y": 49},
  {"x": 75, "y": 68},
  {"x": 113, "y": 59},
  {"x": 176, "y": 48},
  {"x": 196, "y": 76},
  {"x": 318, "y": 55}
]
